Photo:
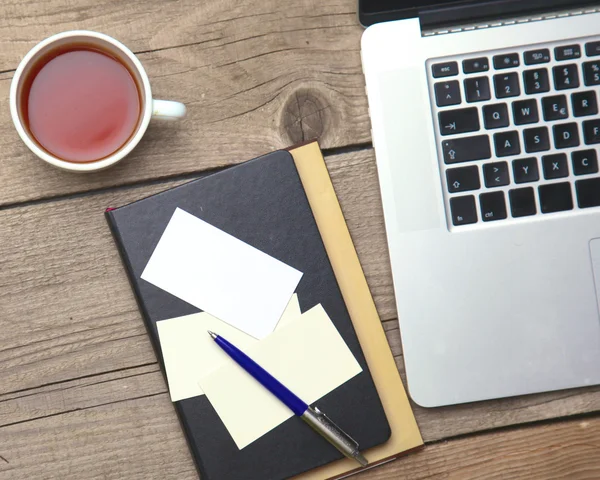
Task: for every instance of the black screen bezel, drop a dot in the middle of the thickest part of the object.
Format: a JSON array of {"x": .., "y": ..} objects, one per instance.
[
  {"x": 384, "y": 15},
  {"x": 466, "y": 10}
]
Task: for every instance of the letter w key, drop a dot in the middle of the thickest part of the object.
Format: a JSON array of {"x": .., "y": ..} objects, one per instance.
[{"x": 526, "y": 111}]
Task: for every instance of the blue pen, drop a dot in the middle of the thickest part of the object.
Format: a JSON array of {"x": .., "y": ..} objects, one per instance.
[{"x": 313, "y": 416}]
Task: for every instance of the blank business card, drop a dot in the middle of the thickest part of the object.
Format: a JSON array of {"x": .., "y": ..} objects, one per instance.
[
  {"x": 308, "y": 356},
  {"x": 222, "y": 275},
  {"x": 189, "y": 352}
]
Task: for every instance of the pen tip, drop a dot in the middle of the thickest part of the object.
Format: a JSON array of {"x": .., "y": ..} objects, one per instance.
[
  {"x": 361, "y": 459},
  {"x": 212, "y": 334}
]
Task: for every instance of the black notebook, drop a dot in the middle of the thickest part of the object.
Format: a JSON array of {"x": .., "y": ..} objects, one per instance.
[{"x": 262, "y": 203}]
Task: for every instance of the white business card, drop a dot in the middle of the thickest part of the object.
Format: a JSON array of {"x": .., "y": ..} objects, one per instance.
[{"x": 222, "y": 275}]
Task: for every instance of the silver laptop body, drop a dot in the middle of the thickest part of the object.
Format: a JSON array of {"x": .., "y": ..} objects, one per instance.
[{"x": 492, "y": 301}]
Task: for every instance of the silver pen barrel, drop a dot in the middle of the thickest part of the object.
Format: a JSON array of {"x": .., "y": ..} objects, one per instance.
[{"x": 333, "y": 434}]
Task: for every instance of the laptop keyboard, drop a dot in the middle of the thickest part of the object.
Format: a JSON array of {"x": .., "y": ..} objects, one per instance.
[{"x": 517, "y": 131}]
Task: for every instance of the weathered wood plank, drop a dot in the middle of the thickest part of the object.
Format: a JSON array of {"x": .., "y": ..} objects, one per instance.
[
  {"x": 141, "y": 439},
  {"x": 147, "y": 380},
  {"x": 82, "y": 393},
  {"x": 555, "y": 451},
  {"x": 136, "y": 439},
  {"x": 255, "y": 76},
  {"x": 156, "y": 24}
]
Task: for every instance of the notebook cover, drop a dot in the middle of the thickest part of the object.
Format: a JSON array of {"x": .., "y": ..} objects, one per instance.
[
  {"x": 263, "y": 203},
  {"x": 330, "y": 220}
]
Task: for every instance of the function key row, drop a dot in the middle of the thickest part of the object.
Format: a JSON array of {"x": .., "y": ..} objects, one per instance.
[
  {"x": 512, "y": 60},
  {"x": 553, "y": 198},
  {"x": 477, "y": 89}
]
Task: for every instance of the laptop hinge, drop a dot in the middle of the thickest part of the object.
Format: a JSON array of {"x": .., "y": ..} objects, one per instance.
[{"x": 463, "y": 17}]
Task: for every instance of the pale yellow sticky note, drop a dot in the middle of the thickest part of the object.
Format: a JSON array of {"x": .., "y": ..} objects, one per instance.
[
  {"x": 292, "y": 312},
  {"x": 189, "y": 353},
  {"x": 308, "y": 356}
]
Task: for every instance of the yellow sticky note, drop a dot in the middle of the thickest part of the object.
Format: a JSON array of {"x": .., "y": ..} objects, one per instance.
[
  {"x": 308, "y": 356},
  {"x": 189, "y": 353}
]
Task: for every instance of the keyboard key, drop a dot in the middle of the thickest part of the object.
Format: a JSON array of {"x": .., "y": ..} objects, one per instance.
[
  {"x": 535, "y": 57},
  {"x": 591, "y": 132},
  {"x": 463, "y": 179},
  {"x": 592, "y": 49},
  {"x": 464, "y": 211},
  {"x": 555, "y": 197},
  {"x": 566, "y": 135},
  {"x": 555, "y": 166},
  {"x": 466, "y": 149},
  {"x": 447, "y": 69},
  {"x": 525, "y": 111},
  {"x": 496, "y": 174},
  {"x": 522, "y": 202},
  {"x": 507, "y": 143},
  {"x": 591, "y": 73},
  {"x": 477, "y": 89},
  {"x": 585, "y": 162},
  {"x": 506, "y": 60},
  {"x": 565, "y": 77},
  {"x": 507, "y": 85},
  {"x": 568, "y": 52},
  {"x": 447, "y": 93},
  {"x": 525, "y": 170},
  {"x": 474, "y": 65},
  {"x": 493, "y": 206},
  {"x": 555, "y": 108},
  {"x": 584, "y": 103},
  {"x": 536, "y": 139},
  {"x": 459, "y": 121},
  {"x": 588, "y": 192},
  {"x": 536, "y": 81},
  {"x": 495, "y": 116}
]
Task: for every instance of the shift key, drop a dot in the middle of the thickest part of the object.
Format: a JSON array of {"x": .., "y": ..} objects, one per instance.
[
  {"x": 459, "y": 121},
  {"x": 466, "y": 149}
]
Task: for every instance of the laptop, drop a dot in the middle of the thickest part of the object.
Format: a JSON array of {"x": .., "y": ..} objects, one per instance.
[{"x": 486, "y": 131}]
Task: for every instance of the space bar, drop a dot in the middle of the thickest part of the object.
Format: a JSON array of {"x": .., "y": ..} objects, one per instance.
[{"x": 466, "y": 149}]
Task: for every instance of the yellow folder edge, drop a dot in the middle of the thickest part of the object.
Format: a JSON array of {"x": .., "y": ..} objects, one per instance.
[{"x": 361, "y": 307}]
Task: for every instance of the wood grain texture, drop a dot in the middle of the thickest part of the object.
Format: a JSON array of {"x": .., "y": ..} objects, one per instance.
[
  {"x": 131, "y": 383},
  {"x": 147, "y": 25},
  {"x": 135, "y": 439},
  {"x": 141, "y": 439},
  {"x": 284, "y": 71},
  {"x": 566, "y": 450}
]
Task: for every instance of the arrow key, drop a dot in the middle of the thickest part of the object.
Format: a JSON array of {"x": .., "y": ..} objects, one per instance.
[
  {"x": 447, "y": 93},
  {"x": 496, "y": 174},
  {"x": 463, "y": 179}
]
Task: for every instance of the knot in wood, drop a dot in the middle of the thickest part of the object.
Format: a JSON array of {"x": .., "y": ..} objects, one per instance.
[{"x": 305, "y": 115}]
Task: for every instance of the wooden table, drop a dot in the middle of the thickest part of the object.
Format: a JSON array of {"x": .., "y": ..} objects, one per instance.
[{"x": 81, "y": 394}]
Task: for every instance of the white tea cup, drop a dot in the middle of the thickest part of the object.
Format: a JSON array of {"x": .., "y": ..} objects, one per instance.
[{"x": 149, "y": 107}]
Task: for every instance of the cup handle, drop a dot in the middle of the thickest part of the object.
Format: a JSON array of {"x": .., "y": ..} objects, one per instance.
[{"x": 168, "y": 110}]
